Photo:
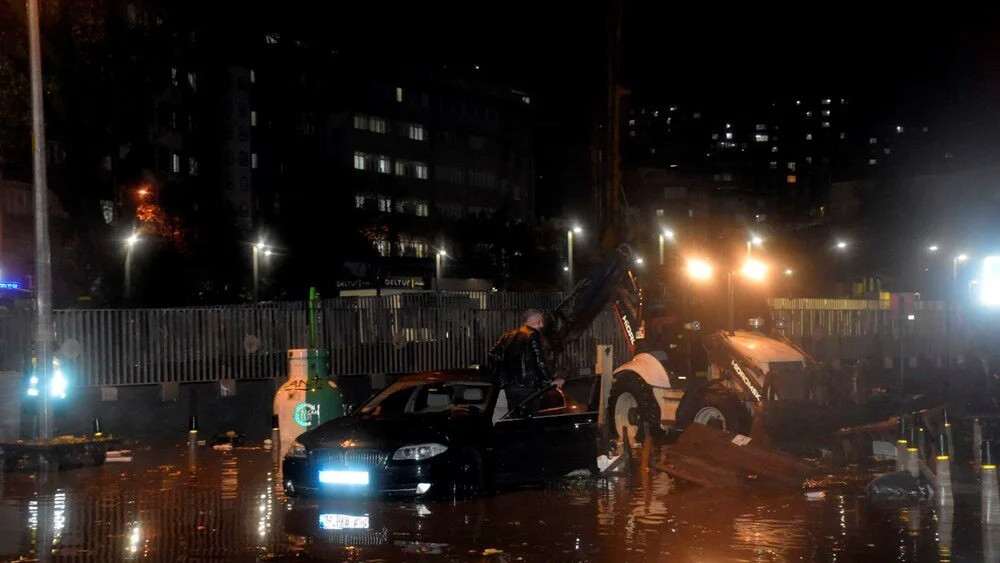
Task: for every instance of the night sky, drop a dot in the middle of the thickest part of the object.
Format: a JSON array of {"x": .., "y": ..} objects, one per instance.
[{"x": 940, "y": 67}]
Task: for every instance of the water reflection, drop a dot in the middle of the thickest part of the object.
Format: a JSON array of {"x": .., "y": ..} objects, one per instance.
[{"x": 235, "y": 510}]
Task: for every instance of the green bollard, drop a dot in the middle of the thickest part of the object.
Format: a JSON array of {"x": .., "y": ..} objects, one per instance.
[{"x": 321, "y": 392}]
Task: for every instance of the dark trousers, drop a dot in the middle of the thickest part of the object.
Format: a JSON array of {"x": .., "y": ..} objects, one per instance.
[{"x": 518, "y": 395}]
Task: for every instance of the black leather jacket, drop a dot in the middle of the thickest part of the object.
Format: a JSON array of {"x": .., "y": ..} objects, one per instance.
[{"x": 518, "y": 359}]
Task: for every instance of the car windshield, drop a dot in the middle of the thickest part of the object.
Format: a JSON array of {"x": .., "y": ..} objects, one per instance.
[{"x": 417, "y": 397}]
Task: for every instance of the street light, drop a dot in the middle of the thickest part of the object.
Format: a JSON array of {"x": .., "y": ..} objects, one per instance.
[
  {"x": 698, "y": 269},
  {"x": 569, "y": 250},
  {"x": 954, "y": 265},
  {"x": 841, "y": 245},
  {"x": 638, "y": 260},
  {"x": 754, "y": 270},
  {"x": 667, "y": 234},
  {"x": 256, "y": 268},
  {"x": 754, "y": 240},
  {"x": 788, "y": 271},
  {"x": 130, "y": 242},
  {"x": 441, "y": 254},
  {"x": 932, "y": 248}
]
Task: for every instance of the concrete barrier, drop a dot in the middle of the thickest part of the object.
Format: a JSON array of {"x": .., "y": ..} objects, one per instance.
[{"x": 10, "y": 405}]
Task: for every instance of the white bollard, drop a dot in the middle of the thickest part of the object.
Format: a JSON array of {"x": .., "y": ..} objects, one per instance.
[
  {"x": 991, "y": 496},
  {"x": 945, "y": 525},
  {"x": 901, "y": 455},
  {"x": 913, "y": 461},
  {"x": 977, "y": 442}
]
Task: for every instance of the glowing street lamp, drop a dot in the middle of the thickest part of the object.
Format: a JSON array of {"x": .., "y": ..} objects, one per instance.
[
  {"x": 639, "y": 260},
  {"x": 932, "y": 248},
  {"x": 754, "y": 240},
  {"x": 698, "y": 269},
  {"x": 841, "y": 245},
  {"x": 438, "y": 257},
  {"x": 257, "y": 247},
  {"x": 754, "y": 270},
  {"x": 667, "y": 234},
  {"x": 954, "y": 265},
  {"x": 130, "y": 242},
  {"x": 576, "y": 230},
  {"x": 789, "y": 271}
]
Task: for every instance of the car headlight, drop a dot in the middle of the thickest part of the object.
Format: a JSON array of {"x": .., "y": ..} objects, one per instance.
[
  {"x": 419, "y": 451},
  {"x": 296, "y": 450}
]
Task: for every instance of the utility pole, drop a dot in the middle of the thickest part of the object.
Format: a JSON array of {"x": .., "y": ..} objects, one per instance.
[
  {"x": 609, "y": 207},
  {"x": 43, "y": 257}
]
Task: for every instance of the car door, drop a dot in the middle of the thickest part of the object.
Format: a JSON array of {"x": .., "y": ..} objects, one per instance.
[{"x": 549, "y": 435}]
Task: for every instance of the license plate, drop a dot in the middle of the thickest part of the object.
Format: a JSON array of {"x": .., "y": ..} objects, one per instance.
[
  {"x": 343, "y": 522},
  {"x": 331, "y": 477}
]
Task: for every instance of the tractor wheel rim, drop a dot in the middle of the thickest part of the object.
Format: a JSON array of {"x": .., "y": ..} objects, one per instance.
[
  {"x": 711, "y": 416},
  {"x": 625, "y": 405}
]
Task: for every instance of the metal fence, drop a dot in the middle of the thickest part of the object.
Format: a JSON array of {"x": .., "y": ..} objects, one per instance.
[{"x": 365, "y": 335}]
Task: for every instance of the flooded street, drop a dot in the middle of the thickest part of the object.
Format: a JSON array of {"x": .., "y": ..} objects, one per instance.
[{"x": 228, "y": 506}]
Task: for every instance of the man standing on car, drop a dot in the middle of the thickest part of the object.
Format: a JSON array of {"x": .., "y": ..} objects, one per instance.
[{"x": 518, "y": 360}]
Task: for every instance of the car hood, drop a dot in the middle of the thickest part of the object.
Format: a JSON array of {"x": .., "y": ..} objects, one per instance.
[{"x": 366, "y": 431}]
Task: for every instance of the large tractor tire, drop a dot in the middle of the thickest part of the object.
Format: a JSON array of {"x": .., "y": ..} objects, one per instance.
[
  {"x": 716, "y": 408},
  {"x": 632, "y": 406}
]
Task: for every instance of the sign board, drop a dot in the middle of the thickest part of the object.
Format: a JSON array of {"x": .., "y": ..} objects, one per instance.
[{"x": 10, "y": 284}]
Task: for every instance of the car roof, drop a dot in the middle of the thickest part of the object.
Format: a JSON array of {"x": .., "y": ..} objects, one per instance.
[{"x": 450, "y": 375}]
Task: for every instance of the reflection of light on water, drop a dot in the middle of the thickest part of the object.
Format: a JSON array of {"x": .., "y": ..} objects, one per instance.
[
  {"x": 230, "y": 480},
  {"x": 133, "y": 539},
  {"x": 33, "y": 515},
  {"x": 777, "y": 538},
  {"x": 58, "y": 516},
  {"x": 265, "y": 510}
]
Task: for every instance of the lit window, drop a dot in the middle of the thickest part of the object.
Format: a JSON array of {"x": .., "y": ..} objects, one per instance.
[
  {"x": 761, "y": 127},
  {"x": 415, "y": 131},
  {"x": 899, "y": 128},
  {"x": 798, "y": 102},
  {"x": 826, "y": 102},
  {"x": 843, "y": 135},
  {"x": 359, "y": 201},
  {"x": 809, "y": 136},
  {"x": 809, "y": 113},
  {"x": 361, "y": 161},
  {"x": 760, "y": 138},
  {"x": 173, "y": 75},
  {"x": 193, "y": 81},
  {"x": 399, "y": 94},
  {"x": 728, "y": 125},
  {"x": 253, "y": 76},
  {"x": 403, "y": 167},
  {"x": 872, "y": 140},
  {"x": 420, "y": 170},
  {"x": 774, "y": 165},
  {"x": 253, "y": 118},
  {"x": 924, "y": 129},
  {"x": 826, "y": 113},
  {"x": 175, "y": 163},
  {"x": 526, "y": 100},
  {"x": 383, "y": 164},
  {"x": 886, "y": 150},
  {"x": 192, "y": 166},
  {"x": 809, "y": 160},
  {"x": 631, "y": 123},
  {"x": 383, "y": 247},
  {"x": 253, "y": 160},
  {"x": 659, "y": 213},
  {"x": 715, "y": 136},
  {"x": 272, "y": 38},
  {"x": 729, "y": 135},
  {"x": 872, "y": 161},
  {"x": 791, "y": 166},
  {"x": 825, "y": 124},
  {"x": 360, "y": 121},
  {"x": 384, "y": 204},
  {"x": 376, "y": 125},
  {"x": 656, "y": 113},
  {"x": 791, "y": 179},
  {"x": 774, "y": 148}
]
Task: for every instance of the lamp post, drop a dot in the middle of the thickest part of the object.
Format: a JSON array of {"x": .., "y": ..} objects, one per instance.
[
  {"x": 952, "y": 294},
  {"x": 129, "y": 245},
  {"x": 441, "y": 254},
  {"x": 44, "y": 336},
  {"x": 665, "y": 235},
  {"x": 569, "y": 251},
  {"x": 257, "y": 247},
  {"x": 754, "y": 240}
]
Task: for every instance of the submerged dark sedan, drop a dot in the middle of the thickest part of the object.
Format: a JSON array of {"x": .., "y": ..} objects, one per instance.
[{"x": 443, "y": 433}]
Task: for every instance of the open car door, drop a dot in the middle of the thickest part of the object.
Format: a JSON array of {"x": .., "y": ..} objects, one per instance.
[{"x": 551, "y": 434}]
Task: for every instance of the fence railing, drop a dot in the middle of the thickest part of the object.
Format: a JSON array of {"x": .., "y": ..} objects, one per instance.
[{"x": 366, "y": 335}]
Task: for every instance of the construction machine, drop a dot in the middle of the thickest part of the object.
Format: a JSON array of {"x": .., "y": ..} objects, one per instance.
[{"x": 676, "y": 375}]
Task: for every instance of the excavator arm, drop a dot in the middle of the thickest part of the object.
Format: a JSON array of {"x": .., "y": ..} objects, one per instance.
[{"x": 611, "y": 281}]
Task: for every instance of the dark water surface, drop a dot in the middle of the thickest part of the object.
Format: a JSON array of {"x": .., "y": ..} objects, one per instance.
[{"x": 229, "y": 506}]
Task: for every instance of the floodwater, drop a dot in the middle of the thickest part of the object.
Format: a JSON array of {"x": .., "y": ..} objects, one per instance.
[{"x": 229, "y": 506}]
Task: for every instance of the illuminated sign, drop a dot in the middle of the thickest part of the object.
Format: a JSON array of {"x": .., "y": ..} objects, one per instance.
[
  {"x": 303, "y": 414},
  {"x": 10, "y": 285}
]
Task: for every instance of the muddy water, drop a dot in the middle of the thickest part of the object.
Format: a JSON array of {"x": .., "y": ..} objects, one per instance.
[{"x": 229, "y": 506}]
